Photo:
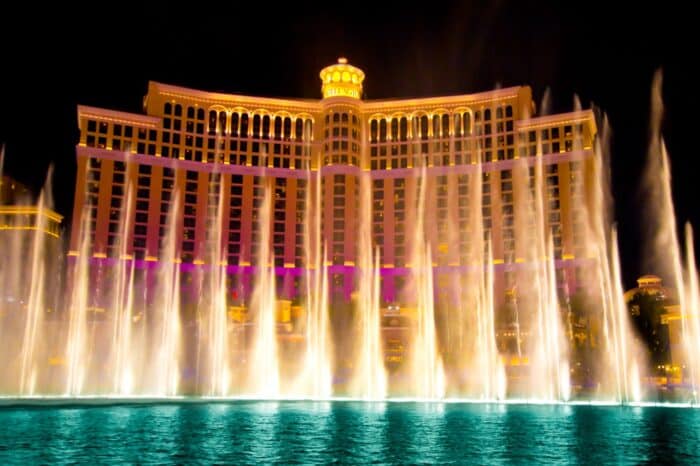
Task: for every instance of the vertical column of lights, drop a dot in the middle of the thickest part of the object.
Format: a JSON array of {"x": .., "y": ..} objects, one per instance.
[
  {"x": 234, "y": 223},
  {"x": 92, "y": 190},
  {"x": 172, "y": 127},
  {"x": 258, "y": 137},
  {"x": 302, "y": 160},
  {"x": 190, "y": 215},
  {"x": 282, "y": 156},
  {"x": 279, "y": 218},
  {"x": 193, "y": 133},
  {"x": 507, "y": 215},
  {"x": 483, "y": 127},
  {"x": 216, "y": 141},
  {"x": 462, "y": 128},
  {"x": 486, "y": 206},
  {"x": 505, "y": 136},
  {"x": 258, "y": 193},
  {"x": 166, "y": 198},
  {"x": 420, "y": 135},
  {"x": 378, "y": 214},
  {"x": 166, "y": 136},
  {"x": 577, "y": 203},
  {"x": 464, "y": 207},
  {"x": 399, "y": 222},
  {"x": 441, "y": 140},
  {"x": 143, "y": 191},
  {"x": 338, "y": 239},
  {"x": 553, "y": 207},
  {"x": 442, "y": 211},
  {"x": 300, "y": 211},
  {"x": 117, "y": 198},
  {"x": 238, "y": 143},
  {"x": 399, "y": 143}
]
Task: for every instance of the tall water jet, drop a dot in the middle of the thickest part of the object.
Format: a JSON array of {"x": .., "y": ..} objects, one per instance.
[
  {"x": 428, "y": 377},
  {"x": 490, "y": 366},
  {"x": 477, "y": 359},
  {"x": 317, "y": 375},
  {"x": 547, "y": 345},
  {"x": 77, "y": 349},
  {"x": 36, "y": 301},
  {"x": 166, "y": 338},
  {"x": 263, "y": 364},
  {"x": 690, "y": 309},
  {"x": 217, "y": 317},
  {"x": 122, "y": 305},
  {"x": 618, "y": 372},
  {"x": 626, "y": 364},
  {"x": 664, "y": 242},
  {"x": 369, "y": 377}
]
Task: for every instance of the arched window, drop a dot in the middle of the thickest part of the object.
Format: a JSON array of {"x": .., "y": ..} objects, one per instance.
[
  {"x": 382, "y": 130},
  {"x": 336, "y": 117},
  {"x": 394, "y": 129},
  {"x": 424, "y": 125},
  {"x": 499, "y": 112},
  {"x": 200, "y": 114},
  {"x": 234, "y": 124},
  {"x": 278, "y": 128},
  {"x": 307, "y": 130},
  {"x": 445, "y": 126},
  {"x": 168, "y": 108},
  {"x": 403, "y": 129},
  {"x": 458, "y": 125},
  {"x": 256, "y": 126},
  {"x": 466, "y": 124},
  {"x": 244, "y": 125},
  {"x": 487, "y": 114},
  {"x": 212, "y": 121},
  {"x": 190, "y": 112},
  {"x": 299, "y": 129},
  {"x": 373, "y": 130},
  {"x": 287, "y": 128},
  {"x": 178, "y": 110},
  {"x": 436, "y": 126},
  {"x": 345, "y": 118},
  {"x": 222, "y": 122},
  {"x": 266, "y": 127}
]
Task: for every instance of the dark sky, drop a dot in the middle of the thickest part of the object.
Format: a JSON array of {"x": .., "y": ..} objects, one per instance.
[{"x": 104, "y": 55}]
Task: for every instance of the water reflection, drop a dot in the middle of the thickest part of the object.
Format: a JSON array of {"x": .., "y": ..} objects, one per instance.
[{"x": 348, "y": 432}]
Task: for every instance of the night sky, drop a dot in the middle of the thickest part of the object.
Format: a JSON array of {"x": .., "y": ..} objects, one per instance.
[{"x": 53, "y": 59}]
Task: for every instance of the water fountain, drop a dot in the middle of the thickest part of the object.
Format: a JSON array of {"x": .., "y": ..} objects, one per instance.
[
  {"x": 664, "y": 243},
  {"x": 124, "y": 329},
  {"x": 369, "y": 377}
]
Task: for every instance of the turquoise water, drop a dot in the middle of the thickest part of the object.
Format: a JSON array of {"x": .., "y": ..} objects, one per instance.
[{"x": 348, "y": 433}]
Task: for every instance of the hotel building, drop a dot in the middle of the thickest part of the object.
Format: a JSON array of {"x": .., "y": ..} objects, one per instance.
[{"x": 187, "y": 138}]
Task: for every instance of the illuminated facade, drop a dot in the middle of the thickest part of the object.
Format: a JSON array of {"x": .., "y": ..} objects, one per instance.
[
  {"x": 186, "y": 136},
  {"x": 18, "y": 212}
]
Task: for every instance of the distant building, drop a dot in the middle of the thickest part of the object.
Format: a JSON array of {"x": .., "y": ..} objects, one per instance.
[
  {"x": 187, "y": 135},
  {"x": 671, "y": 319},
  {"x": 27, "y": 231},
  {"x": 19, "y": 211}
]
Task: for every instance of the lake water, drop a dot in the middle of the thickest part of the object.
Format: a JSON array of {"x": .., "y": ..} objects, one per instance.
[{"x": 248, "y": 432}]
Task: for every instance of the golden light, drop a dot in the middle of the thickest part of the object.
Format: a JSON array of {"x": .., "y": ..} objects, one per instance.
[{"x": 342, "y": 80}]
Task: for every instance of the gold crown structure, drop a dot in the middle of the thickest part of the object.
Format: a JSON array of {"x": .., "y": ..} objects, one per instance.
[{"x": 342, "y": 80}]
